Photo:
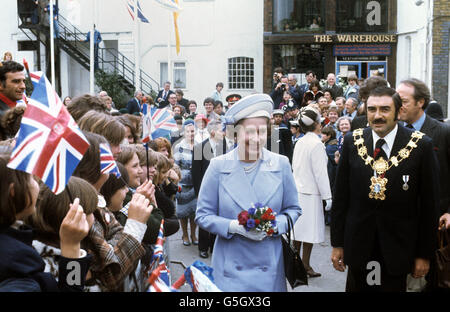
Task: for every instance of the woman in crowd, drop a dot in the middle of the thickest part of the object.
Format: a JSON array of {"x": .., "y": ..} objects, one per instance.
[
  {"x": 309, "y": 165},
  {"x": 218, "y": 108},
  {"x": 105, "y": 125},
  {"x": 49, "y": 216},
  {"x": 67, "y": 100},
  {"x": 247, "y": 260},
  {"x": 116, "y": 249},
  {"x": 167, "y": 205},
  {"x": 314, "y": 92},
  {"x": 344, "y": 125},
  {"x": 130, "y": 161},
  {"x": 201, "y": 132},
  {"x": 21, "y": 267},
  {"x": 131, "y": 132},
  {"x": 192, "y": 105},
  {"x": 7, "y": 56},
  {"x": 80, "y": 105},
  {"x": 186, "y": 199}
]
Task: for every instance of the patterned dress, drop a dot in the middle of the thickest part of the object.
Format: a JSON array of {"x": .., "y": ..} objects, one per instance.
[{"x": 186, "y": 199}]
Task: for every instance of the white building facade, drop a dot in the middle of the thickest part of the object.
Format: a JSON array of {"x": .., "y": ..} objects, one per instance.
[{"x": 221, "y": 41}]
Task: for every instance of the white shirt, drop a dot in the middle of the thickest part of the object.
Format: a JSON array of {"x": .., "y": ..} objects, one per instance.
[{"x": 389, "y": 138}]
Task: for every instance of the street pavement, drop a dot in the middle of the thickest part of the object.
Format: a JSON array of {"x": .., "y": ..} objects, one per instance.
[{"x": 330, "y": 281}]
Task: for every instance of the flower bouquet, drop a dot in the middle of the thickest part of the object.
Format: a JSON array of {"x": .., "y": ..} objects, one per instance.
[{"x": 258, "y": 218}]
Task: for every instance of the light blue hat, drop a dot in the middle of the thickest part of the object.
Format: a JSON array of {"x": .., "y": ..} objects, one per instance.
[{"x": 255, "y": 105}]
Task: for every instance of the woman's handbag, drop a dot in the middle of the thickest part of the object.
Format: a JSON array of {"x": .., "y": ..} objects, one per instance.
[
  {"x": 293, "y": 265},
  {"x": 443, "y": 259}
]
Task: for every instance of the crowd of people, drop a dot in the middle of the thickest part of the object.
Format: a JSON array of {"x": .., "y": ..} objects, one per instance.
[{"x": 292, "y": 150}]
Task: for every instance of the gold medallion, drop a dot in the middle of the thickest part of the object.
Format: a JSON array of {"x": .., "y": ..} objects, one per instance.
[
  {"x": 381, "y": 166},
  {"x": 377, "y": 188}
]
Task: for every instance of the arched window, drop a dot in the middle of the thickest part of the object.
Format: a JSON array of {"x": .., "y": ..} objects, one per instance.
[{"x": 241, "y": 73}]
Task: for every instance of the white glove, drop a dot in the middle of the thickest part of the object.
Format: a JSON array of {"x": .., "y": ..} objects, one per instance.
[
  {"x": 328, "y": 206},
  {"x": 236, "y": 228}
]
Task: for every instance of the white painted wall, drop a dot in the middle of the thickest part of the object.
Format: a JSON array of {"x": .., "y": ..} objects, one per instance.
[
  {"x": 412, "y": 26},
  {"x": 210, "y": 31}
]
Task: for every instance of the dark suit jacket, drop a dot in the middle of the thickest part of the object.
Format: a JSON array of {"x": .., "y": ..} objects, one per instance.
[
  {"x": 133, "y": 106},
  {"x": 405, "y": 223},
  {"x": 165, "y": 101},
  {"x": 440, "y": 134},
  {"x": 201, "y": 157},
  {"x": 280, "y": 142},
  {"x": 337, "y": 90},
  {"x": 359, "y": 122}
]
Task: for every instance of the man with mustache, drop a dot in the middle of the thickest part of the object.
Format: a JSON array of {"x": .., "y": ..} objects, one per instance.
[
  {"x": 386, "y": 204},
  {"x": 12, "y": 85}
]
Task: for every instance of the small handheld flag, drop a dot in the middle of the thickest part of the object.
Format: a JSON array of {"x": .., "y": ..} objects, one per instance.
[
  {"x": 130, "y": 7},
  {"x": 157, "y": 122},
  {"x": 107, "y": 162},
  {"x": 49, "y": 144}
]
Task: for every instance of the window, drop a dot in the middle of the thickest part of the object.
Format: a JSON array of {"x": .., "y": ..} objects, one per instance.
[
  {"x": 298, "y": 15},
  {"x": 300, "y": 58},
  {"x": 361, "y": 16},
  {"x": 241, "y": 73},
  {"x": 179, "y": 74}
]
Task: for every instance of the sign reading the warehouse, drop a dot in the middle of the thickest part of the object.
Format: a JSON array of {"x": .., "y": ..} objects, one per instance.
[{"x": 356, "y": 38}]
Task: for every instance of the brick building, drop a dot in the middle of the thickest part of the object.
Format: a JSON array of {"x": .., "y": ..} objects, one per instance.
[
  {"x": 330, "y": 36},
  {"x": 440, "y": 53}
]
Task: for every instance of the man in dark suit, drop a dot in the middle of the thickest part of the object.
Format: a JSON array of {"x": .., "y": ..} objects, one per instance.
[
  {"x": 384, "y": 221},
  {"x": 331, "y": 84},
  {"x": 203, "y": 152},
  {"x": 310, "y": 76},
  {"x": 134, "y": 105},
  {"x": 181, "y": 100},
  {"x": 415, "y": 97},
  {"x": 280, "y": 140},
  {"x": 162, "y": 100}
]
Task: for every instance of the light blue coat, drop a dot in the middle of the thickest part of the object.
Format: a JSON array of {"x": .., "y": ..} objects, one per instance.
[{"x": 241, "y": 264}]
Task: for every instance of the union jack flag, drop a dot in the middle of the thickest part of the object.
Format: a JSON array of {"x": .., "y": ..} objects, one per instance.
[
  {"x": 130, "y": 7},
  {"x": 159, "y": 278},
  {"x": 157, "y": 122},
  {"x": 49, "y": 143},
  {"x": 107, "y": 162}
]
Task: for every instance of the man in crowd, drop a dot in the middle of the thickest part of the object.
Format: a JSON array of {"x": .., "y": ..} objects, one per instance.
[
  {"x": 181, "y": 100},
  {"x": 415, "y": 97},
  {"x": 215, "y": 146},
  {"x": 163, "y": 95},
  {"x": 351, "y": 106},
  {"x": 384, "y": 216},
  {"x": 134, "y": 106},
  {"x": 12, "y": 85},
  {"x": 231, "y": 99},
  {"x": 208, "y": 103},
  {"x": 331, "y": 84},
  {"x": 353, "y": 88},
  {"x": 340, "y": 105},
  {"x": 310, "y": 76},
  {"x": 277, "y": 93},
  {"x": 294, "y": 89},
  {"x": 172, "y": 101},
  {"x": 280, "y": 140}
]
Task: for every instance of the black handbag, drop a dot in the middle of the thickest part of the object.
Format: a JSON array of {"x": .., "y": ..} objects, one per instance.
[
  {"x": 293, "y": 265},
  {"x": 443, "y": 259}
]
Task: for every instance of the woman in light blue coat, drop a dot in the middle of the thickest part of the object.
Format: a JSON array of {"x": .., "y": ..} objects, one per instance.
[{"x": 247, "y": 261}]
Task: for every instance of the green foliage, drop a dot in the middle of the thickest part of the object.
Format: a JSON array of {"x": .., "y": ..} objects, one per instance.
[{"x": 111, "y": 83}]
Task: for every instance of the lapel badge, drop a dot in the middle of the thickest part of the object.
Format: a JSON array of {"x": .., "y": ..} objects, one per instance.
[{"x": 405, "y": 185}]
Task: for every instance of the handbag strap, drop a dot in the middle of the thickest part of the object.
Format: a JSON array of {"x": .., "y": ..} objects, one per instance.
[{"x": 290, "y": 227}]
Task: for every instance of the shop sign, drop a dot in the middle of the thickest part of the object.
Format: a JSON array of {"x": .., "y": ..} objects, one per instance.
[{"x": 358, "y": 38}]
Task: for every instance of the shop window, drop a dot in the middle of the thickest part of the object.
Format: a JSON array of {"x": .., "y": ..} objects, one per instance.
[
  {"x": 361, "y": 16},
  {"x": 300, "y": 58},
  {"x": 241, "y": 73},
  {"x": 298, "y": 15}
]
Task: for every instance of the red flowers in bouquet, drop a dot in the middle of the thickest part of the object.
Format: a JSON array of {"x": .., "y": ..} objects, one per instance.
[{"x": 258, "y": 218}]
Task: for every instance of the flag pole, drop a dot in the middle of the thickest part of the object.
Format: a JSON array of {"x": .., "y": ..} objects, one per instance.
[
  {"x": 52, "y": 44},
  {"x": 137, "y": 56},
  {"x": 91, "y": 50}
]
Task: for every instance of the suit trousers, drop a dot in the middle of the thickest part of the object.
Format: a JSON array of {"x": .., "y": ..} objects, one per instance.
[
  {"x": 205, "y": 240},
  {"x": 358, "y": 278}
]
